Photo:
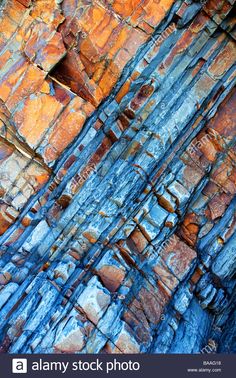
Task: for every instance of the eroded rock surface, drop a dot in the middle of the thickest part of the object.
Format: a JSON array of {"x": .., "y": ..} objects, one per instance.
[{"x": 117, "y": 176}]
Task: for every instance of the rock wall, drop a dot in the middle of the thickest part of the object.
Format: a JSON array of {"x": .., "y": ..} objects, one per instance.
[{"x": 117, "y": 176}]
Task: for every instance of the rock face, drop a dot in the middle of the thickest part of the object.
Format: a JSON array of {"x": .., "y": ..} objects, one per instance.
[{"x": 117, "y": 176}]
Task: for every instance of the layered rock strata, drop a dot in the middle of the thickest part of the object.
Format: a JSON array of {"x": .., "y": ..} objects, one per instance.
[{"x": 117, "y": 176}]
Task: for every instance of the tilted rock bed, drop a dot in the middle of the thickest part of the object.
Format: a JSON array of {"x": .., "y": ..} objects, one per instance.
[{"x": 117, "y": 176}]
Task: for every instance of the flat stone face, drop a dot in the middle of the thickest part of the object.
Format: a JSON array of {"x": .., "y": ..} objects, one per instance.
[
  {"x": 111, "y": 277},
  {"x": 94, "y": 300},
  {"x": 33, "y": 125},
  {"x": 164, "y": 274},
  {"x": 178, "y": 256},
  {"x": 117, "y": 176},
  {"x": 125, "y": 343},
  {"x": 72, "y": 344}
]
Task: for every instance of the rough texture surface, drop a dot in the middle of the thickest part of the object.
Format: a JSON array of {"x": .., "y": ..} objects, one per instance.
[{"x": 117, "y": 176}]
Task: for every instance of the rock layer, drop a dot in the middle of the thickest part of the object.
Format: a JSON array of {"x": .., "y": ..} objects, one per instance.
[{"x": 117, "y": 176}]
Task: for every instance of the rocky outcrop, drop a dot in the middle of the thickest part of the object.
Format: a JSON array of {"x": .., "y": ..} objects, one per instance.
[{"x": 117, "y": 176}]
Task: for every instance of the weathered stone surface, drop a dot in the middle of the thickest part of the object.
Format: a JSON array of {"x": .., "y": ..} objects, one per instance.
[
  {"x": 117, "y": 176},
  {"x": 94, "y": 300}
]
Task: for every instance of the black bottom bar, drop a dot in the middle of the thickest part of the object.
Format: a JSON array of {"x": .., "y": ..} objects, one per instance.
[{"x": 139, "y": 365}]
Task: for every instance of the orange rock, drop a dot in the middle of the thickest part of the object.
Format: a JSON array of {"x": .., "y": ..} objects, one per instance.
[
  {"x": 218, "y": 205},
  {"x": 189, "y": 229},
  {"x": 51, "y": 54},
  {"x": 182, "y": 44},
  {"x": 12, "y": 76},
  {"x": 15, "y": 10},
  {"x": 138, "y": 241},
  {"x": 128, "y": 9},
  {"x": 178, "y": 256},
  {"x": 91, "y": 236},
  {"x": 135, "y": 40},
  {"x": 137, "y": 16},
  {"x": 48, "y": 12},
  {"x": 5, "y": 150},
  {"x": 190, "y": 218},
  {"x": 205, "y": 144},
  {"x": 26, "y": 221},
  {"x": 5, "y": 221},
  {"x": 103, "y": 31},
  {"x": 196, "y": 276},
  {"x": 121, "y": 59},
  {"x": 224, "y": 60},
  {"x": 193, "y": 228},
  {"x": 30, "y": 82},
  {"x": 44, "y": 46},
  {"x": 7, "y": 28},
  {"x": 4, "y": 58},
  {"x": 166, "y": 4},
  {"x": 123, "y": 91},
  {"x": 121, "y": 34},
  {"x": 109, "y": 79},
  {"x": 92, "y": 18},
  {"x": 26, "y": 3},
  {"x": 146, "y": 27},
  {"x": 69, "y": 124},
  {"x": 89, "y": 50},
  {"x": 45, "y": 88},
  {"x": 164, "y": 274},
  {"x": 199, "y": 22},
  {"x": 71, "y": 72},
  {"x": 223, "y": 121},
  {"x": 98, "y": 70},
  {"x": 50, "y": 154},
  {"x": 5, "y": 278},
  {"x": 36, "y": 116},
  {"x": 59, "y": 139},
  {"x": 152, "y": 307},
  {"x": 42, "y": 179},
  {"x": 111, "y": 277},
  {"x": 217, "y": 8},
  {"x": 154, "y": 13}
]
